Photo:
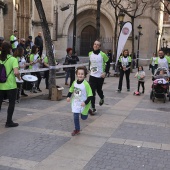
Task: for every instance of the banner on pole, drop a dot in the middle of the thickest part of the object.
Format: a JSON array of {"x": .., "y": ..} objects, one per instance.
[{"x": 123, "y": 36}]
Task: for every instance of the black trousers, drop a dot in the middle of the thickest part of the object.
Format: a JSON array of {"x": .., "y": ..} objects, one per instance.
[
  {"x": 11, "y": 95},
  {"x": 72, "y": 76},
  {"x": 96, "y": 85},
  {"x": 46, "y": 75},
  {"x": 39, "y": 78},
  {"x": 127, "y": 73},
  {"x": 142, "y": 84}
]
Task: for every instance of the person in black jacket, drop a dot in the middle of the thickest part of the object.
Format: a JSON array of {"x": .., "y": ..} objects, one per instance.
[
  {"x": 39, "y": 42},
  {"x": 22, "y": 44},
  {"x": 71, "y": 59}
]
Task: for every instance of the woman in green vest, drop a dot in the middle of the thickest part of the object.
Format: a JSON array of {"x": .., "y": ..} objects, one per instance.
[
  {"x": 152, "y": 65},
  {"x": 9, "y": 87}
]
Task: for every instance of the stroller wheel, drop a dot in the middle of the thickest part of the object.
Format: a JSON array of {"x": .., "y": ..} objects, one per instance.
[
  {"x": 164, "y": 98},
  {"x": 153, "y": 98},
  {"x": 151, "y": 95}
]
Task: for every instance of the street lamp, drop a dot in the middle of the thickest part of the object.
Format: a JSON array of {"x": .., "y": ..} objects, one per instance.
[
  {"x": 163, "y": 42},
  {"x": 75, "y": 21},
  {"x": 138, "y": 38},
  {"x": 157, "y": 35},
  {"x": 121, "y": 16}
]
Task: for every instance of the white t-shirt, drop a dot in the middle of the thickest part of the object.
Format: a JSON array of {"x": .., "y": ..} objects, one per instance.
[
  {"x": 125, "y": 61},
  {"x": 96, "y": 65},
  {"x": 162, "y": 62},
  {"x": 37, "y": 65},
  {"x": 21, "y": 63},
  {"x": 16, "y": 42}
]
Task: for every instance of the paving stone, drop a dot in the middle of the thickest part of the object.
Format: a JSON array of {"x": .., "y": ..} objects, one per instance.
[
  {"x": 148, "y": 133},
  {"x": 8, "y": 168},
  {"x": 157, "y": 105},
  {"x": 150, "y": 116},
  {"x": 36, "y": 103},
  {"x": 29, "y": 146},
  {"x": 133, "y": 158},
  {"x": 17, "y": 115},
  {"x": 57, "y": 122}
]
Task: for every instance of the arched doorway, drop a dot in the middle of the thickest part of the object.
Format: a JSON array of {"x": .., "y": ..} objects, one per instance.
[{"x": 88, "y": 36}]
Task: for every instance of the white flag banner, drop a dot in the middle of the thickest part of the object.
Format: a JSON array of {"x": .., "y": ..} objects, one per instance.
[{"x": 123, "y": 36}]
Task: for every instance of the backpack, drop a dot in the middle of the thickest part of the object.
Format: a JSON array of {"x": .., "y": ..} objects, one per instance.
[{"x": 3, "y": 75}]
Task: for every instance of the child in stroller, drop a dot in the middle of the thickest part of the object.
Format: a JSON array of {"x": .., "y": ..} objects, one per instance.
[{"x": 160, "y": 86}]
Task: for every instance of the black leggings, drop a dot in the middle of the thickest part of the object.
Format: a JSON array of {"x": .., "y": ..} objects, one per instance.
[
  {"x": 96, "y": 84},
  {"x": 46, "y": 75},
  {"x": 141, "y": 83},
  {"x": 127, "y": 73},
  {"x": 72, "y": 76},
  {"x": 11, "y": 95},
  {"x": 39, "y": 78}
]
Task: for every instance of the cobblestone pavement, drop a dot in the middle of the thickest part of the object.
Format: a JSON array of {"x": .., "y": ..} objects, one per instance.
[{"x": 128, "y": 133}]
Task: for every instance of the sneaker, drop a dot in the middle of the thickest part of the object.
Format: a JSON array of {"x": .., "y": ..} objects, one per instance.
[
  {"x": 23, "y": 94},
  {"x": 12, "y": 124},
  {"x": 39, "y": 90},
  {"x": 128, "y": 89},
  {"x": 91, "y": 112},
  {"x": 94, "y": 110},
  {"x": 119, "y": 91},
  {"x": 34, "y": 91},
  {"x": 75, "y": 132},
  {"x": 143, "y": 92},
  {"x": 16, "y": 101},
  {"x": 101, "y": 101},
  {"x": 66, "y": 84}
]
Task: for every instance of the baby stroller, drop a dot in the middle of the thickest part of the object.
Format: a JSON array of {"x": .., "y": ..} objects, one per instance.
[{"x": 160, "y": 85}]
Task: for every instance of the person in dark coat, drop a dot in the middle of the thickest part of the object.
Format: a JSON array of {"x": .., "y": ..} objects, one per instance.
[
  {"x": 71, "y": 59},
  {"x": 39, "y": 42},
  {"x": 22, "y": 44},
  {"x": 29, "y": 42}
]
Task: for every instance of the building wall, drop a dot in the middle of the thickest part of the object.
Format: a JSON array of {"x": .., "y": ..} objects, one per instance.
[
  {"x": 1, "y": 20},
  {"x": 10, "y": 20},
  {"x": 26, "y": 19}
]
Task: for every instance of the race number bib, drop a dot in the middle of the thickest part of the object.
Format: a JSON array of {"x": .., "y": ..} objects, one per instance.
[
  {"x": 77, "y": 92},
  {"x": 94, "y": 69}
]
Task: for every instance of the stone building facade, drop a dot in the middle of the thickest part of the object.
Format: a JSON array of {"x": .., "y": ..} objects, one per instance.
[{"x": 22, "y": 15}]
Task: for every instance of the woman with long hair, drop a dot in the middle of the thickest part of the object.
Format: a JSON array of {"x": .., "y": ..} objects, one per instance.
[
  {"x": 124, "y": 64},
  {"x": 19, "y": 54},
  {"x": 35, "y": 62},
  {"x": 9, "y": 87}
]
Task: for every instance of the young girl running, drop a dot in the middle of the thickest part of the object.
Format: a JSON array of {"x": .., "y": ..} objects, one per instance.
[
  {"x": 81, "y": 99},
  {"x": 140, "y": 75}
]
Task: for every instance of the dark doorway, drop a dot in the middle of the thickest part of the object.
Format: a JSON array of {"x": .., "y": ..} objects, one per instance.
[{"x": 88, "y": 36}]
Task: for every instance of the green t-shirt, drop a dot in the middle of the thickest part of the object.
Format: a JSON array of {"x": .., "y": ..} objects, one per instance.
[
  {"x": 14, "y": 44},
  {"x": 10, "y": 64},
  {"x": 46, "y": 60}
]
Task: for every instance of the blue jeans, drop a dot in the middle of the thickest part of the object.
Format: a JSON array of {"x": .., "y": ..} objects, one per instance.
[
  {"x": 76, "y": 120},
  {"x": 67, "y": 75}
]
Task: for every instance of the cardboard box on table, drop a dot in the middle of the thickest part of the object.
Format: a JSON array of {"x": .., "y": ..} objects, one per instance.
[{"x": 57, "y": 93}]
